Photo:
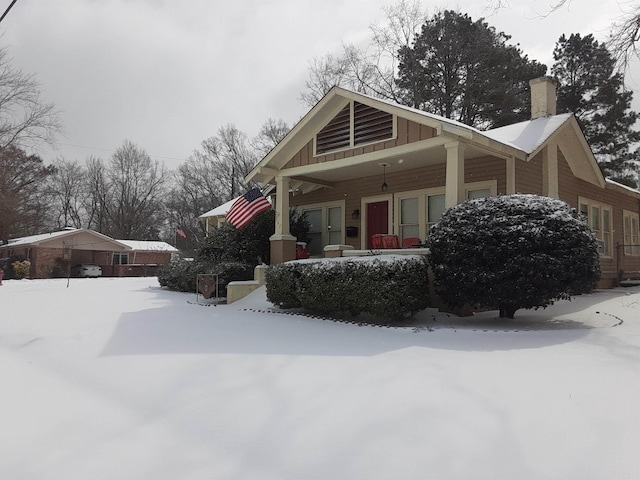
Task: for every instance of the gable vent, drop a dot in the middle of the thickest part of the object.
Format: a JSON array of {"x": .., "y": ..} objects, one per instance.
[
  {"x": 336, "y": 134},
  {"x": 371, "y": 124}
]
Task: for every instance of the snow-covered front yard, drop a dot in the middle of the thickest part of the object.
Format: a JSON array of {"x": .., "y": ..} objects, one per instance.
[{"x": 120, "y": 379}]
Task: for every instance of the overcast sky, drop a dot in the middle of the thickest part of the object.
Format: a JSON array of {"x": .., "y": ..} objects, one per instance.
[{"x": 166, "y": 74}]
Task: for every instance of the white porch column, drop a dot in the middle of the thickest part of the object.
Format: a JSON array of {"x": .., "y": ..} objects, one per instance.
[
  {"x": 454, "y": 188},
  {"x": 283, "y": 244},
  {"x": 511, "y": 175},
  {"x": 282, "y": 205},
  {"x": 550, "y": 171}
]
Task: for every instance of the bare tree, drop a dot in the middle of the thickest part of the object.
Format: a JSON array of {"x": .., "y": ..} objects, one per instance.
[
  {"x": 129, "y": 194},
  {"x": 25, "y": 120},
  {"x": 95, "y": 200},
  {"x": 271, "y": 133},
  {"x": 370, "y": 70},
  {"x": 624, "y": 32},
  {"x": 66, "y": 191}
]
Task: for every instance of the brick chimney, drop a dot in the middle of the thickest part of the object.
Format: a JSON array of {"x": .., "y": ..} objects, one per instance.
[{"x": 543, "y": 97}]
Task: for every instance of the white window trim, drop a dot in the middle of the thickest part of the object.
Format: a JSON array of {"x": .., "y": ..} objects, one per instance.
[
  {"x": 602, "y": 206},
  {"x": 324, "y": 207},
  {"x": 492, "y": 185},
  {"x": 635, "y": 236},
  {"x": 422, "y": 195}
]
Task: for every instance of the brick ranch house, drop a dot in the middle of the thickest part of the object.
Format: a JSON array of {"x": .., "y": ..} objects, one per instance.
[
  {"x": 51, "y": 254},
  {"x": 360, "y": 166}
]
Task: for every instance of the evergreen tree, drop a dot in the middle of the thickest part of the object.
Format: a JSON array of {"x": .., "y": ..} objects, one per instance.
[
  {"x": 590, "y": 88},
  {"x": 465, "y": 70}
]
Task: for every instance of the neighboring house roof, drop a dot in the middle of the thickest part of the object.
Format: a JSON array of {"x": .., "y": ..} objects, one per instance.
[
  {"x": 148, "y": 246},
  {"x": 220, "y": 210},
  {"x": 92, "y": 240}
]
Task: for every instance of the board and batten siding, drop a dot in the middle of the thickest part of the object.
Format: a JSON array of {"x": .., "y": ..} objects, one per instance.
[{"x": 407, "y": 132}]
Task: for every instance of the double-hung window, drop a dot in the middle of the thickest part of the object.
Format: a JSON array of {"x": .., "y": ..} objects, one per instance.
[
  {"x": 417, "y": 211},
  {"x": 599, "y": 217},
  {"x": 631, "y": 233}
]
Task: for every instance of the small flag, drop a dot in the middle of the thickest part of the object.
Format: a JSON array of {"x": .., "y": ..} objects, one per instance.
[
  {"x": 246, "y": 208},
  {"x": 181, "y": 233}
]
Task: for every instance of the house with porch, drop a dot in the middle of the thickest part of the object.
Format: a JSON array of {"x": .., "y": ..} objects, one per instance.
[{"x": 362, "y": 167}]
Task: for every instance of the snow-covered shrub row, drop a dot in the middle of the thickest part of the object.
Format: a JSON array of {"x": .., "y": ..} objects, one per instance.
[
  {"x": 391, "y": 287},
  {"x": 512, "y": 251},
  {"x": 182, "y": 275}
]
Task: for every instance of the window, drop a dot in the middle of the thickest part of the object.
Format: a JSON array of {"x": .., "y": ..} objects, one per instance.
[
  {"x": 631, "y": 233},
  {"x": 598, "y": 216},
  {"x": 120, "y": 259},
  {"x": 435, "y": 209},
  {"x": 409, "y": 225},
  {"x": 417, "y": 211},
  {"x": 325, "y": 225},
  {"x": 482, "y": 189}
]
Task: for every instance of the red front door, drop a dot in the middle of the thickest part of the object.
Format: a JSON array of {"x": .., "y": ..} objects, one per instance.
[{"x": 377, "y": 219}]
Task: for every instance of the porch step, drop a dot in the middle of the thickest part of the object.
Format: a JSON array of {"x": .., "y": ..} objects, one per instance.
[{"x": 240, "y": 289}]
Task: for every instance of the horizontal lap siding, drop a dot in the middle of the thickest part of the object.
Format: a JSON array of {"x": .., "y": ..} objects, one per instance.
[
  {"x": 529, "y": 176},
  {"x": 486, "y": 168},
  {"x": 407, "y": 132},
  {"x": 571, "y": 187}
]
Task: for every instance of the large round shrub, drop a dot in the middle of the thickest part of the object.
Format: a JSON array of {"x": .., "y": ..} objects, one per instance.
[{"x": 510, "y": 252}]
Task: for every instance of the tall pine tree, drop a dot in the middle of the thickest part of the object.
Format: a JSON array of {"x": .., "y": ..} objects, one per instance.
[
  {"x": 465, "y": 70},
  {"x": 590, "y": 87}
]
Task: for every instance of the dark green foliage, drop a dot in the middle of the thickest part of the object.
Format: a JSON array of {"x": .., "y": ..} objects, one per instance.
[
  {"x": 389, "y": 289},
  {"x": 182, "y": 275},
  {"x": 511, "y": 252},
  {"x": 465, "y": 70},
  {"x": 590, "y": 88},
  {"x": 299, "y": 225},
  {"x": 229, "y": 252},
  {"x": 250, "y": 245}
]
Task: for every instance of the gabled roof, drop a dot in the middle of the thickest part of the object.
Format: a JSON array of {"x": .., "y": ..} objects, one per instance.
[{"x": 521, "y": 140}]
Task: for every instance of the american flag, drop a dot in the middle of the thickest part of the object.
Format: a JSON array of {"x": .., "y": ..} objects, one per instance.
[{"x": 247, "y": 207}]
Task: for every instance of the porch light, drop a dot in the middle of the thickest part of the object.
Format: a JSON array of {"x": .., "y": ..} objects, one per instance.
[{"x": 384, "y": 176}]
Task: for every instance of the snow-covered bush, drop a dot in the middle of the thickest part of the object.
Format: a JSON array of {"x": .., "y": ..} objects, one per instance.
[
  {"x": 510, "y": 252},
  {"x": 389, "y": 287}
]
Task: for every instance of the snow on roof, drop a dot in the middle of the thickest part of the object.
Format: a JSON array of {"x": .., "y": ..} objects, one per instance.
[
  {"x": 528, "y": 136},
  {"x": 219, "y": 210},
  {"x": 148, "y": 246},
  {"x": 622, "y": 185},
  {"x": 38, "y": 238}
]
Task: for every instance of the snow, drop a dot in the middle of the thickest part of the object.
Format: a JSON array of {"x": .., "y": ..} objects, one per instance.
[
  {"x": 118, "y": 378},
  {"x": 528, "y": 136},
  {"x": 148, "y": 245}
]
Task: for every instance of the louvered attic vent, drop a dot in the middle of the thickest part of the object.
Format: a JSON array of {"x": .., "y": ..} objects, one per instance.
[{"x": 369, "y": 125}]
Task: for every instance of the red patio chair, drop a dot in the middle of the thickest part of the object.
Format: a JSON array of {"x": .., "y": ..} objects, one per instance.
[{"x": 411, "y": 242}]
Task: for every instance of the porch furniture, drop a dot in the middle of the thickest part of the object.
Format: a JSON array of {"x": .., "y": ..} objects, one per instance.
[
  {"x": 411, "y": 242},
  {"x": 381, "y": 241}
]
